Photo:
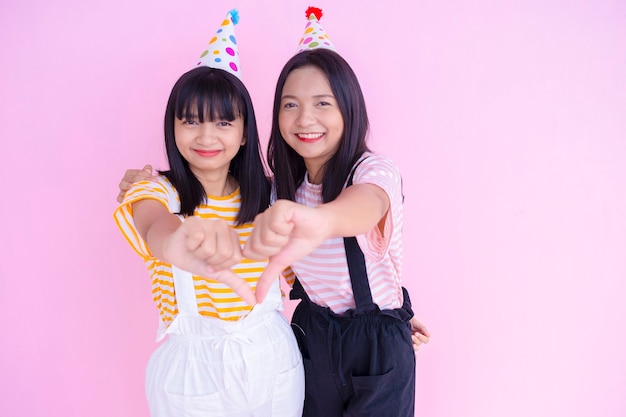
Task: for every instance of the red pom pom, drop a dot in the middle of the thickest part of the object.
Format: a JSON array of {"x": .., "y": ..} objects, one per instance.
[{"x": 313, "y": 10}]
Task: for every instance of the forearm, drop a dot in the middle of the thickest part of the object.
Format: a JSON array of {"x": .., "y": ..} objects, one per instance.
[
  {"x": 158, "y": 233},
  {"x": 357, "y": 210},
  {"x": 155, "y": 224},
  {"x": 287, "y": 230}
]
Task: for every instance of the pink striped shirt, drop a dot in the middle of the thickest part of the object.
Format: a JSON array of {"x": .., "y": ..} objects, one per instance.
[{"x": 324, "y": 273}]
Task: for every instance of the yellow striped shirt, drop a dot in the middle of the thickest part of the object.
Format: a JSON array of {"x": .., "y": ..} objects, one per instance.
[{"x": 214, "y": 298}]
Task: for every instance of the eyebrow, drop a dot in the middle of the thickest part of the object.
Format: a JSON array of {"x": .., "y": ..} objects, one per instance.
[{"x": 315, "y": 96}]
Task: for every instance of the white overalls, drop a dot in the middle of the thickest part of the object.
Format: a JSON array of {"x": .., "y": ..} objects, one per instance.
[{"x": 209, "y": 367}]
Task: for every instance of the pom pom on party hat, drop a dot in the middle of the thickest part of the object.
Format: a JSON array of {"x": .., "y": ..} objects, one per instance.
[
  {"x": 222, "y": 52},
  {"x": 314, "y": 35}
]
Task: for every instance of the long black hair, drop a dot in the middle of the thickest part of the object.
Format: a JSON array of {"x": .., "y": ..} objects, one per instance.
[
  {"x": 288, "y": 167},
  {"x": 214, "y": 94}
]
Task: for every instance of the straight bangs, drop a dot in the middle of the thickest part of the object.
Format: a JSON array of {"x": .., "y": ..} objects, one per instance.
[{"x": 209, "y": 98}]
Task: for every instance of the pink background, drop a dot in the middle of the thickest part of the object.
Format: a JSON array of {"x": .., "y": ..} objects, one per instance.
[{"x": 507, "y": 119}]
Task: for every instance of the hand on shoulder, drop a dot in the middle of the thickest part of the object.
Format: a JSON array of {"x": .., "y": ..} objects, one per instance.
[{"x": 132, "y": 176}]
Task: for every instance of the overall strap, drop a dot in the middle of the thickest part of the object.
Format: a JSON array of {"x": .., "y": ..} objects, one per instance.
[
  {"x": 185, "y": 292},
  {"x": 356, "y": 266}
]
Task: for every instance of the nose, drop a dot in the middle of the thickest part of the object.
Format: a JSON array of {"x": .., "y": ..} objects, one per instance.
[
  {"x": 305, "y": 116},
  {"x": 205, "y": 133}
]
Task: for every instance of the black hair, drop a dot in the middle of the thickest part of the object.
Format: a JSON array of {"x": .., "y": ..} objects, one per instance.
[
  {"x": 215, "y": 94},
  {"x": 288, "y": 167}
]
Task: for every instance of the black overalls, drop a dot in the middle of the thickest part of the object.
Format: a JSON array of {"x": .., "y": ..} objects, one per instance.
[{"x": 360, "y": 363}]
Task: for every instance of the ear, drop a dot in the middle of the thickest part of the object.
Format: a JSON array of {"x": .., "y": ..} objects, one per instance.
[{"x": 244, "y": 139}]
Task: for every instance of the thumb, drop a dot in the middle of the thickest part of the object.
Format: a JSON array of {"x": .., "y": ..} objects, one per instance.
[
  {"x": 238, "y": 284},
  {"x": 148, "y": 169},
  {"x": 271, "y": 272}
]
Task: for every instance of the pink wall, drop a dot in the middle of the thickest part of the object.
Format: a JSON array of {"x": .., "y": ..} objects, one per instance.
[{"x": 508, "y": 122}]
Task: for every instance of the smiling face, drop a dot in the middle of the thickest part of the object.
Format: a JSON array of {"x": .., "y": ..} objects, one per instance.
[
  {"x": 209, "y": 146},
  {"x": 309, "y": 118}
]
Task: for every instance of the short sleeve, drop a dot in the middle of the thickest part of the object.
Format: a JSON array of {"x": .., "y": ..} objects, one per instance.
[
  {"x": 382, "y": 172},
  {"x": 160, "y": 191},
  {"x": 289, "y": 276}
]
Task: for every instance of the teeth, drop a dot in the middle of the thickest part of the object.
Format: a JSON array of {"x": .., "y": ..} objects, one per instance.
[{"x": 310, "y": 135}]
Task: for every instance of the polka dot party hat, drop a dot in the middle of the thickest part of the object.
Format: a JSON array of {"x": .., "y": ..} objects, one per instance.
[
  {"x": 314, "y": 35},
  {"x": 221, "y": 52}
]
